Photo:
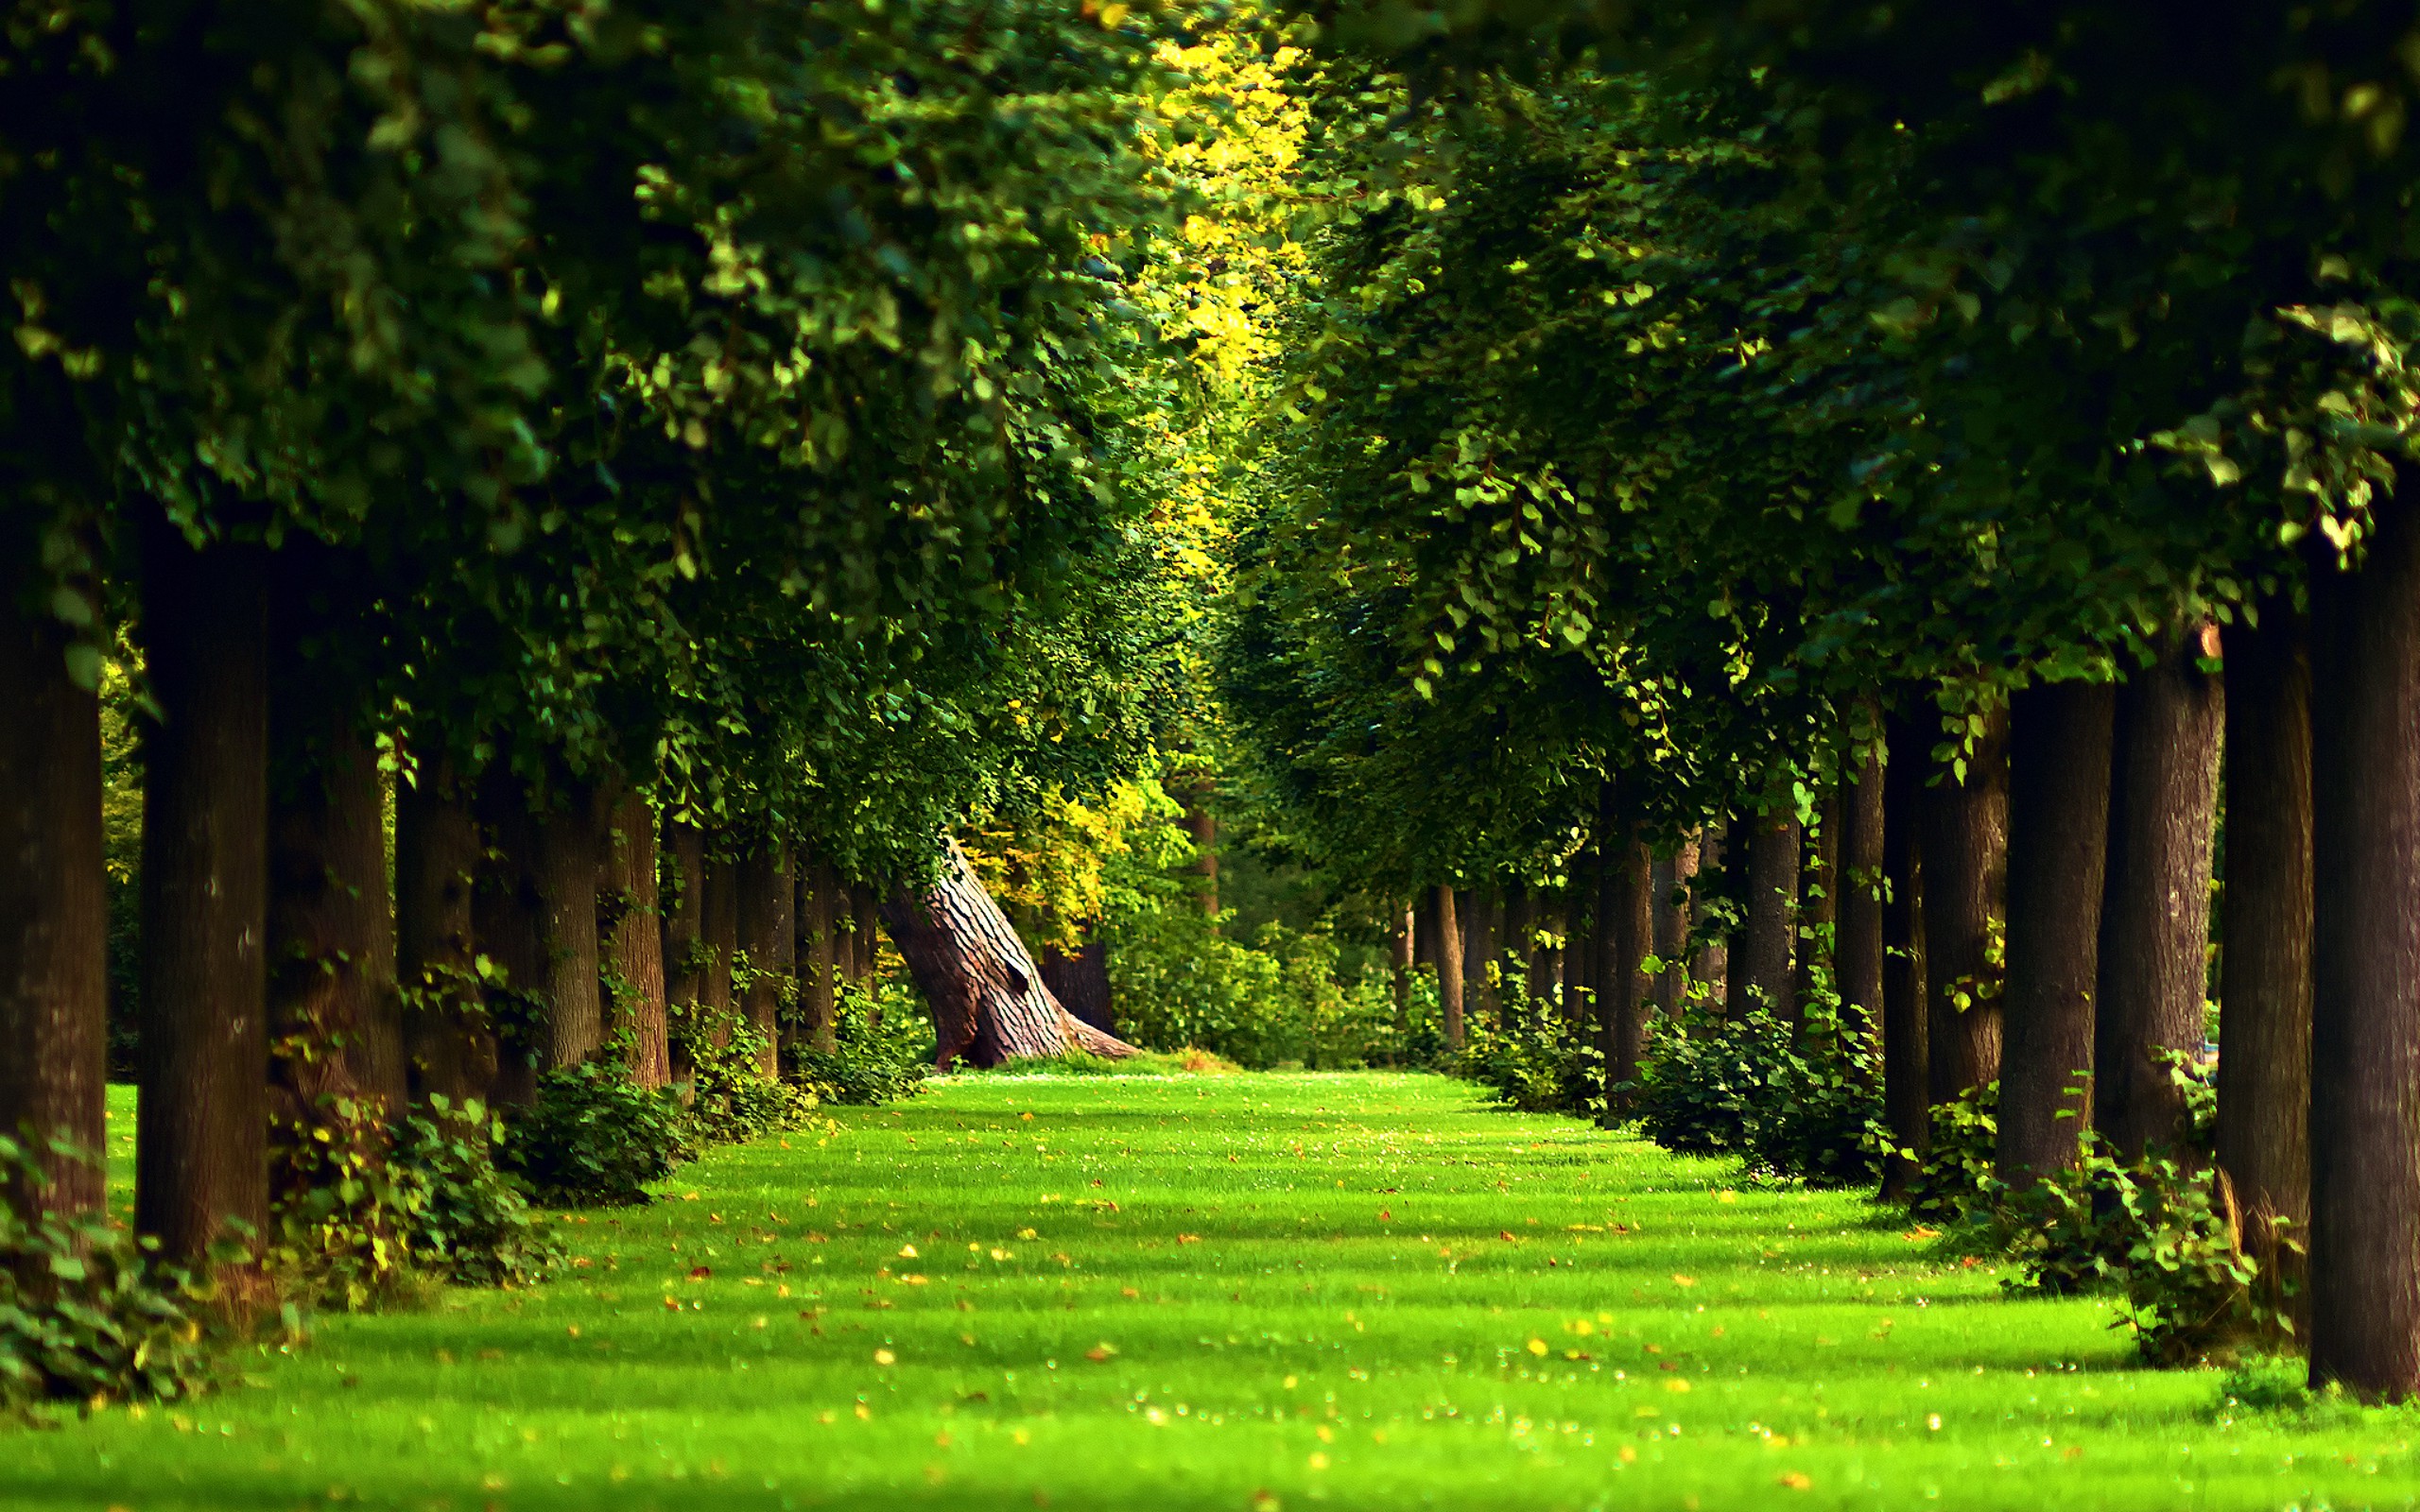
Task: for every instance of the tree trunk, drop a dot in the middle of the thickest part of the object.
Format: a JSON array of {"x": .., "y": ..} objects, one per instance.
[
  {"x": 1203, "y": 826},
  {"x": 1766, "y": 945},
  {"x": 1080, "y": 982},
  {"x": 1670, "y": 909},
  {"x": 989, "y": 1003},
  {"x": 1406, "y": 942},
  {"x": 1579, "y": 945},
  {"x": 505, "y": 909},
  {"x": 2265, "y": 963},
  {"x": 821, "y": 902},
  {"x": 1819, "y": 909},
  {"x": 2058, "y": 837},
  {"x": 448, "y": 1044},
  {"x": 1621, "y": 989},
  {"x": 201, "y": 1152},
  {"x": 1965, "y": 845},
  {"x": 685, "y": 914},
  {"x": 1547, "y": 972},
  {"x": 2155, "y": 918},
  {"x": 865, "y": 941},
  {"x": 634, "y": 946},
  {"x": 1710, "y": 968},
  {"x": 1907, "y": 1096},
  {"x": 1475, "y": 908},
  {"x": 719, "y": 900},
  {"x": 1856, "y": 953},
  {"x": 768, "y": 934},
  {"x": 1449, "y": 964},
  {"x": 336, "y": 1021},
  {"x": 54, "y": 913},
  {"x": 1519, "y": 942},
  {"x": 2365, "y": 1020}
]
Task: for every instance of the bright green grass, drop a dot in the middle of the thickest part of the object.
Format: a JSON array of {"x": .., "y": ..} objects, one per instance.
[{"x": 1222, "y": 1292}]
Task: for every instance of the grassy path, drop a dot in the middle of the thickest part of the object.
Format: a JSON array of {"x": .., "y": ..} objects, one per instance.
[{"x": 1238, "y": 1293}]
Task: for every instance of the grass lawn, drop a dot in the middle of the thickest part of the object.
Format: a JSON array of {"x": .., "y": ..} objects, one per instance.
[{"x": 1241, "y": 1292}]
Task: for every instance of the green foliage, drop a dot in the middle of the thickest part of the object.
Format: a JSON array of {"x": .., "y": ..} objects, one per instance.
[
  {"x": 2267, "y": 1382},
  {"x": 592, "y": 1137},
  {"x": 467, "y": 1221},
  {"x": 1802, "y": 1104},
  {"x": 2168, "y": 1235},
  {"x": 341, "y": 1216},
  {"x": 1181, "y": 985},
  {"x": 87, "y": 1313},
  {"x": 1954, "y": 1180},
  {"x": 1533, "y": 1057},
  {"x": 730, "y": 1100},
  {"x": 883, "y": 1049}
]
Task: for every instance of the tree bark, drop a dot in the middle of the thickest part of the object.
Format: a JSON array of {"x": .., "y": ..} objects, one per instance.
[
  {"x": 768, "y": 934},
  {"x": 2155, "y": 918},
  {"x": 685, "y": 914},
  {"x": 1767, "y": 945},
  {"x": 1449, "y": 964},
  {"x": 2058, "y": 838},
  {"x": 504, "y": 914},
  {"x": 1965, "y": 850},
  {"x": 1907, "y": 1096},
  {"x": 202, "y": 1143},
  {"x": 634, "y": 946},
  {"x": 1818, "y": 910},
  {"x": 1405, "y": 948},
  {"x": 865, "y": 941},
  {"x": 819, "y": 943},
  {"x": 1856, "y": 968},
  {"x": 1621, "y": 987},
  {"x": 1080, "y": 982},
  {"x": 1670, "y": 909},
  {"x": 1520, "y": 942},
  {"x": 449, "y": 1047},
  {"x": 1203, "y": 826},
  {"x": 2265, "y": 982},
  {"x": 720, "y": 904},
  {"x": 1710, "y": 968},
  {"x": 2365, "y": 1020},
  {"x": 989, "y": 1003},
  {"x": 1475, "y": 909},
  {"x": 1579, "y": 946},
  {"x": 1547, "y": 973},
  {"x": 54, "y": 915}
]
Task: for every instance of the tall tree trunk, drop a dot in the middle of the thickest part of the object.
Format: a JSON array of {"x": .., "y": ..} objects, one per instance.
[
  {"x": 201, "y": 1142},
  {"x": 720, "y": 903},
  {"x": 1579, "y": 946},
  {"x": 2058, "y": 838},
  {"x": 2365, "y": 1020},
  {"x": 1766, "y": 948},
  {"x": 1670, "y": 909},
  {"x": 989, "y": 1003},
  {"x": 335, "y": 1020},
  {"x": 505, "y": 920},
  {"x": 1545, "y": 973},
  {"x": 1818, "y": 910},
  {"x": 570, "y": 847},
  {"x": 2265, "y": 964},
  {"x": 1621, "y": 987},
  {"x": 1080, "y": 982},
  {"x": 2155, "y": 918},
  {"x": 1203, "y": 826},
  {"x": 1856, "y": 960},
  {"x": 54, "y": 911},
  {"x": 820, "y": 900},
  {"x": 766, "y": 933},
  {"x": 1519, "y": 945},
  {"x": 1405, "y": 941},
  {"x": 685, "y": 914},
  {"x": 1710, "y": 968},
  {"x": 865, "y": 941},
  {"x": 1475, "y": 908},
  {"x": 450, "y": 1049},
  {"x": 1965, "y": 843},
  {"x": 634, "y": 946},
  {"x": 1906, "y": 1095},
  {"x": 1449, "y": 964}
]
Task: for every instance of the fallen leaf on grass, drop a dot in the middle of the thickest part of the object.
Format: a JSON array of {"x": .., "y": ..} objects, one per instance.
[
  {"x": 1101, "y": 1351},
  {"x": 1796, "y": 1480}
]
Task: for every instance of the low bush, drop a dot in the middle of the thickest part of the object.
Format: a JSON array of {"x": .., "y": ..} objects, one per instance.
[
  {"x": 730, "y": 1100},
  {"x": 1954, "y": 1180},
  {"x": 87, "y": 1312},
  {"x": 1279, "y": 1001},
  {"x": 1801, "y": 1102},
  {"x": 1534, "y": 1058},
  {"x": 593, "y": 1138},
  {"x": 883, "y": 1050},
  {"x": 469, "y": 1222}
]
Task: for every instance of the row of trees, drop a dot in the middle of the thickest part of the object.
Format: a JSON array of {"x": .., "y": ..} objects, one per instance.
[
  {"x": 719, "y": 444},
  {"x": 1928, "y": 439}
]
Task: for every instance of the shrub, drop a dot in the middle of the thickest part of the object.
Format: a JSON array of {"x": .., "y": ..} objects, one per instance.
[
  {"x": 1534, "y": 1058},
  {"x": 469, "y": 1222},
  {"x": 339, "y": 1218},
  {"x": 731, "y": 1099},
  {"x": 883, "y": 1049},
  {"x": 87, "y": 1312},
  {"x": 2267, "y": 1384},
  {"x": 593, "y": 1138},
  {"x": 1954, "y": 1180},
  {"x": 1800, "y": 1103},
  {"x": 1278, "y": 1001}
]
